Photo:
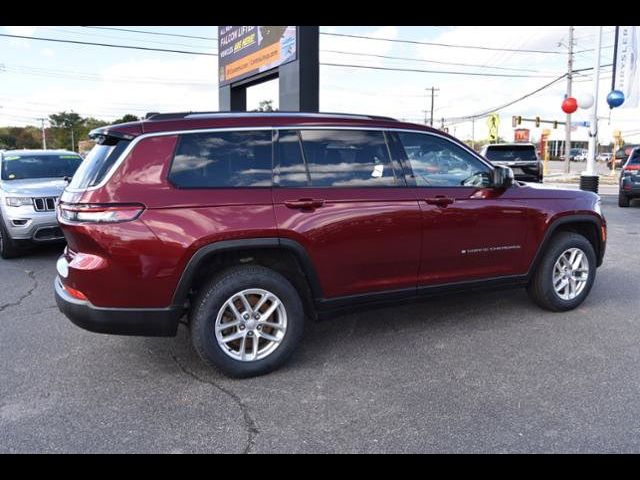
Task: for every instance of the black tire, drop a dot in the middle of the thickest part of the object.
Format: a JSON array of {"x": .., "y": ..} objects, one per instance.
[
  {"x": 540, "y": 287},
  {"x": 213, "y": 296},
  {"x": 8, "y": 249},
  {"x": 623, "y": 200}
]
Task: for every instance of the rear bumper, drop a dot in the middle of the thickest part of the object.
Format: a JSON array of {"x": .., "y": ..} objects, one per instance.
[
  {"x": 629, "y": 187},
  {"x": 153, "y": 322}
]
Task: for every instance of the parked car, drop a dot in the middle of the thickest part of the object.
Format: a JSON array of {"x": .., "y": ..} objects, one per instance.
[
  {"x": 580, "y": 156},
  {"x": 30, "y": 183},
  {"x": 573, "y": 153},
  {"x": 248, "y": 224},
  {"x": 604, "y": 157},
  {"x": 522, "y": 158},
  {"x": 630, "y": 179}
]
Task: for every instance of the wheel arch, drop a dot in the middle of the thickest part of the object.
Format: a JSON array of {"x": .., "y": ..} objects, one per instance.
[
  {"x": 589, "y": 226},
  {"x": 276, "y": 253}
]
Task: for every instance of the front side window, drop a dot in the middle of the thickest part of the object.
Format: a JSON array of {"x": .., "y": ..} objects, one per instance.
[
  {"x": 437, "y": 162},
  {"x": 347, "y": 158},
  {"x": 36, "y": 165},
  {"x": 223, "y": 160}
]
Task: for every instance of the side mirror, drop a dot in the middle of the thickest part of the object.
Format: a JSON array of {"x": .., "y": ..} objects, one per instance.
[{"x": 502, "y": 177}]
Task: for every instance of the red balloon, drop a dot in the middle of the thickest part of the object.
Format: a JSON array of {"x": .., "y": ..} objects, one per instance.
[{"x": 569, "y": 105}]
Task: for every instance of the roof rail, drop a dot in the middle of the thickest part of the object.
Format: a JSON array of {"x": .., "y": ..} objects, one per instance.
[{"x": 174, "y": 116}]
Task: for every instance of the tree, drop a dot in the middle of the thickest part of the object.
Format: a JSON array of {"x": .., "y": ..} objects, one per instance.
[
  {"x": 265, "y": 106},
  {"x": 125, "y": 119},
  {"x": 65, "y": 130}
]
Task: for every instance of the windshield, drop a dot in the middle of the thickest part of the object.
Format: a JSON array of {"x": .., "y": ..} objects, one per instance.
[
  {"x": 511, "y": 153},
  {"x": 39, "y": 165}
]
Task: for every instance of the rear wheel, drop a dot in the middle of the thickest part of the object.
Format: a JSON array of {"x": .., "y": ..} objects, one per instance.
[
  {"x": 565, "y": 274},
  {"x": 8, "y": 248},
  {"x": 623, "y": 200},
  {"x": 247, "y": 321}
]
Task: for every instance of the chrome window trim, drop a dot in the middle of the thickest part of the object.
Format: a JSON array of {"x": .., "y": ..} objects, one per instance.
[{"x": 116, "y": 165}]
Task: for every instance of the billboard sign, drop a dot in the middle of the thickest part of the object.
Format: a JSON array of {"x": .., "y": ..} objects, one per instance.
[{"x": 244, "y": 51}]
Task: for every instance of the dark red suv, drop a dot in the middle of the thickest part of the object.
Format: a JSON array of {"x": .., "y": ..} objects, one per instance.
[{"x": 250, "y": 223}]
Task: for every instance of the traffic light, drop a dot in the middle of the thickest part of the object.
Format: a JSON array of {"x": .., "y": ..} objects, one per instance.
[
  {"x": 537, "y": 122},
  {"x": 555, "y": 124},
  {"x": 519, "y": 120}
]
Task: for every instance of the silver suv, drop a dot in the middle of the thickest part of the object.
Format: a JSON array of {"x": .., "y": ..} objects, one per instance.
[{"x": 30, "y": 183}]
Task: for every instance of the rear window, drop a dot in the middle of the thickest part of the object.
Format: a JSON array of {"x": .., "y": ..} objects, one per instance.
[
  {"x": 634, "y": 159},
  {"x": 511, "y": 153},
  {"x": 27, "y": 166},
  {"x": 97, "y": 164},
  {"x": 223, "y": 159}
]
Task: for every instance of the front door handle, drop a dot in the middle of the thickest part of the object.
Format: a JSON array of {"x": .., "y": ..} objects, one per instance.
[
  {"x": 439, "y": 201},
  {"x": 305, "y": 203}
]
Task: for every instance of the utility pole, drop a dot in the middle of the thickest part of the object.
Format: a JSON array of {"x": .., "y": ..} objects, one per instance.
[
  {"x": 433, "y": 95},
  {"x": 589, "y": 179},
  {"x": 567, "y": 137},
  {"x": 44, "y": 133}
]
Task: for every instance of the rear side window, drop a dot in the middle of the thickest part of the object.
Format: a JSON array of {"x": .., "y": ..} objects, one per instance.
[
  {"x": 511, "y": 153},
  {"x": 222, "y": 160},
  {"x": 347, "y": 158},
  {"x": 98, "y": 163}
]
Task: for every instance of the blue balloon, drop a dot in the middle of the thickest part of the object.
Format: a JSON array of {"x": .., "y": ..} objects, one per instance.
[{"x": 615, "y": 98}]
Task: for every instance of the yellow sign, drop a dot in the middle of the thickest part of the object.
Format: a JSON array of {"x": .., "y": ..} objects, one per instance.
[{"x": 493, "y": 122}]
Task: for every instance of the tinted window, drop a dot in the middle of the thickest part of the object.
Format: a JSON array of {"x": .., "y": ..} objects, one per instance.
[
  {"x": 634, "y": 158},
  {"x": 25, "y": 166},
  {"x": 97, "y": 164},
  {"x": 437, "y": 162},
  {"x": 223, "y": 159},
  {"x": 511, "y": 153},
  {"x": 347, "y": 158},
  {"x": 291, "y": 171}
]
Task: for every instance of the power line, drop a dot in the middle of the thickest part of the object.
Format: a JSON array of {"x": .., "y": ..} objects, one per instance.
[
  {"x": 111, "y": 45},
  {"x": 151, "y": 33},
  {"x": 416, "y": 42},
  {"x": 415, "y": 70},
  {"x": 430, "y": 61}
]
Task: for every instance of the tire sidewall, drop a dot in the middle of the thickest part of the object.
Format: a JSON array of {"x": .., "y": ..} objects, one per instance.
[
  {"x": 563, "y": 243},
  {"x": 217, "y": 292}
]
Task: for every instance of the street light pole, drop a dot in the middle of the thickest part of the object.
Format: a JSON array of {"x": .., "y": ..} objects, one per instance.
[
  {"x": 589, "y": 179},
  {"x": 567, "y": 128}
]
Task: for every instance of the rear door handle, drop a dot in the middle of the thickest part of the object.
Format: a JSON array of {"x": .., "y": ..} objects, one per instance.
[
  {"x": 439, "y": 201},
  {"x": 305, "y": 203}
]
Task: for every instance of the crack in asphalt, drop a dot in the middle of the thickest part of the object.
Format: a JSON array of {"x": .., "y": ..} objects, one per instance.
[
  {"x": 18, "y": 302},
  {"x": 249, "y": 422}
]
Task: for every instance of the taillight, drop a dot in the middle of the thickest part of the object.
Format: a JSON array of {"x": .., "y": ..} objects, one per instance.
[
  {"x": 87, "y": 213},
  {"x": 632, "y": 167}
]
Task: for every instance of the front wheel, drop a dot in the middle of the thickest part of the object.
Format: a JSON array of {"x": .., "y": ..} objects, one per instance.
[
  {"x": 565, "y": 274},
  {"x": 7, "y": 247},
  {"x": 247, "y": 321}
]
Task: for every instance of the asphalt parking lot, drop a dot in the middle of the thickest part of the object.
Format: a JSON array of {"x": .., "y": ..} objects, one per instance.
[{"x": 487, "y": 372}]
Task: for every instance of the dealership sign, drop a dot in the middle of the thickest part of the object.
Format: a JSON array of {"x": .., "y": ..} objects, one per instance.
[{"x": 248, "y": 50}]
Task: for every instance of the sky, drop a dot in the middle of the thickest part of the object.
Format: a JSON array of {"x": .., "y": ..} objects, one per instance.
[{"x": 38, "y": 78}]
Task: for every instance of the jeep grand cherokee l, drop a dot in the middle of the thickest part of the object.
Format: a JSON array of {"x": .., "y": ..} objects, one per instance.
[{"x": 248, "y": 224}]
